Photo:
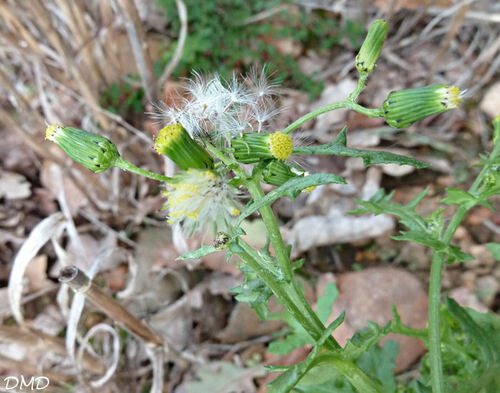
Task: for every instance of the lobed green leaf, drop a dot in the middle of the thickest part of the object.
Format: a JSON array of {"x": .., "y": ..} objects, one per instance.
[
  {"x": 199, "y": 253},
  {"x": 290, "y": 189},
  {"x": 338, "y": 147}
]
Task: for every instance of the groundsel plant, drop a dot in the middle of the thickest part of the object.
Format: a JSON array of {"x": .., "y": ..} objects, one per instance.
[{"x": 221, "y": 140}]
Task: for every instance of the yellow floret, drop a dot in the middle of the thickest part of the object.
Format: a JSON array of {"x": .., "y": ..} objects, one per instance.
[
  {"x": 281, "y": 145},
  {"x": 235, "y": 212},
  {"x": 210, "y": 175},
  {"x": 167, "y": 135},
  {"x": 455, "y": 97},
  {"x": 51, "y": 131}
]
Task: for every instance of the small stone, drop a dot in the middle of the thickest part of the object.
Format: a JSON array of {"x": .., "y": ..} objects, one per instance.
[
  {"x": 489, "y": 104},
  {"x": 482, "y": 256},
  {"x": 368, "y": 295},
  {"x": 486, "y": 288},
  {"x": 466, "y": 298}
]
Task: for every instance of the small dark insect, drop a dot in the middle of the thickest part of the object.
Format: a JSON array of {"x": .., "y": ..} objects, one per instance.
[{"x": 221, "y": 240}]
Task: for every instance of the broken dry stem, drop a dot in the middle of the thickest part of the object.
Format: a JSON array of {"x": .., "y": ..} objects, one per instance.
[{"x": 80, "y": 282}]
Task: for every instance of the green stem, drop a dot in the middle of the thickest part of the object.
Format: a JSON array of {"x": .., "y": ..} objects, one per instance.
[
  {"x": 271, "y": 224},
  {"x": 311, "y": 115},
  {"x": 434, "y": 331},
  {"x": 403, "y": 330},
  {"x": 127, "y": 166},
  {"x": 288, "y": 296},
  {"x": 288, "y": 292},
  {"x": 435, "y": 282},
  {"x": 362, "y": 382},
  {"x": 375, "y": 112},
  {"x": 349, "y": 102},
  {"x": 353, "y": 97}
]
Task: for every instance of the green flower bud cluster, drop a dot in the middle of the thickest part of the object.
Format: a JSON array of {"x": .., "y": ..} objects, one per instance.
[
  {"x": 174, "y": 142},
  {"x": 404, "y": 107},
  {"x": 93, "y": 151}
]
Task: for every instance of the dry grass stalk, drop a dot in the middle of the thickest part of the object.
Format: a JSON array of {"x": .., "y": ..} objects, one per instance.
[
  {"x": 181, "y": 7},
  {"x": 81, "y": 36},
  {"x": 20, "y": 100},
  {"x": 18, "y": 28},
  {"x": 41, "y": 341},
  {"x": 43, "y": 20},
  {"x": 24, "y": 368},
  {"x": 80, "y": 282},
  {"x": 139, "y": 47}
]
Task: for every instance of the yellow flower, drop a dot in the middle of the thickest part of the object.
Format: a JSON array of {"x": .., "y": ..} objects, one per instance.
[{"x": 199, "y": 198}]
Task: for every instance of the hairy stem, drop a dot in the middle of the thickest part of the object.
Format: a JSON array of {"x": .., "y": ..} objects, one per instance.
[
  {"x": 435, "y": 281},
  {"x": 434, "y": 332},
  {"x": 358, "y": 378},
  {"x": 271, "y": 224},
  {"x": 127, "y": 166},
  {"x": 288, "y": 296}
]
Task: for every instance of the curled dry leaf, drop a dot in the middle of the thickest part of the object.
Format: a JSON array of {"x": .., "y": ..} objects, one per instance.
[
  {"x": 115, "y": 355},
  {"x": 77, "y": 306},
  {"x": 14, "y": 186},
  {"x": 48, "y": 228},
  {"x": 222, "y": 377}
]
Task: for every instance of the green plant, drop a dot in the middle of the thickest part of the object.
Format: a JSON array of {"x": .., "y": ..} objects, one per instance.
[
  {"x": 215, "y": 133},
  {"x": 122, "y": 99},
  {"x": 222, "y": 38}
]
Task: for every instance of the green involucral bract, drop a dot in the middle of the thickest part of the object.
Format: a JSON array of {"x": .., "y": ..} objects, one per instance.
[
  {"x": 174, "y": 142},
  {"x": 404, "y": 107},
  {"x": 93, "y": 151},
  {"x": 278, "y": 172}
]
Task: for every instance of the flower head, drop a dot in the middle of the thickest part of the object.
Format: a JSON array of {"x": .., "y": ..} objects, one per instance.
[
  {"x": 404, "y": 107},
  {"x": 93, "y": 151},
  {"x": 198, "y": 198},
  {"x": 174, "y": 142},
  {"x": 251, "y": 148}
]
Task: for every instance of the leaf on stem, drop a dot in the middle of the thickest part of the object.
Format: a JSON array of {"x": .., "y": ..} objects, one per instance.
[
  {"x": 286, "y": 381},
  {"x": 463, "y": 198},
  {"x": 423, "y": 231},
  {"x": 290, "y": 189},
  {"x": 299, "y": 336},
  {"x": 254, "y": 292},
  {"x": 494, "y": 249},
  {"x": 338, "y": 147},
  {"x": 199, "y": 253}
]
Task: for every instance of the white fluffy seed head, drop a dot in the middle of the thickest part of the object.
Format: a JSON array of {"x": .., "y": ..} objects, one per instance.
[{"x": 224, "y": 108}]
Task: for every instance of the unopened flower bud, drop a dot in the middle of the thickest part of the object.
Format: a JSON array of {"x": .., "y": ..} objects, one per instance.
[
  {"x": 404, "y": 107},
  {"x": 174, "y": 142},
  {"x": 277, "y": 173},
  {"x": 93, "y": 151},
  {"x": 251, "y": 148},
  {"x": 372, "y": 45}
]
